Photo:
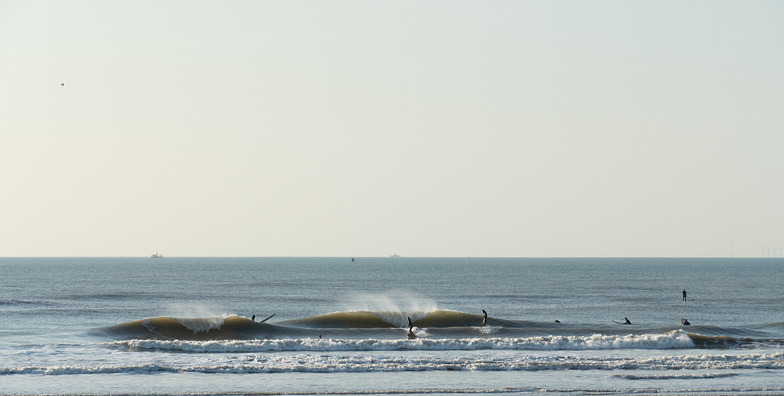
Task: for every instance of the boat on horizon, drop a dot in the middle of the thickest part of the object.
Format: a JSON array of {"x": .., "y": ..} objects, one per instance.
[{"x": 157, "y": 255}]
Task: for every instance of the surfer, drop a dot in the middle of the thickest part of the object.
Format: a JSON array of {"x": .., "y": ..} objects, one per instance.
[
  {"x": 627, "y": 320},
  {"x": 684, "y": 295},
  {"x": 410, "y": 325},
  {"x": 557, "y": 321},
  {"x": 685, "y": 322},
  {"x": 253, "y": 318},
  {"x": 484, "y": 318}
]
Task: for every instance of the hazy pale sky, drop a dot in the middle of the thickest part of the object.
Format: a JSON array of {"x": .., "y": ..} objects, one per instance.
[{"x": 366, "y": 128}]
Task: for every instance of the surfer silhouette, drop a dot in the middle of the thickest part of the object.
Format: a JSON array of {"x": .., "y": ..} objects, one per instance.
[
  {"x": 684, "y": 295},
  {"x": 484, "y": 318},
  {"x": 627, "y": 320},
  {"x": 253, "y": 318},
  {"x": 410, "y": 325},
  {"x": 685, "y": 322}
]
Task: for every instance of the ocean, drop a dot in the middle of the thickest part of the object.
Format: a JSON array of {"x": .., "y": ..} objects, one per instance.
[{"x": 340, "y": 326}]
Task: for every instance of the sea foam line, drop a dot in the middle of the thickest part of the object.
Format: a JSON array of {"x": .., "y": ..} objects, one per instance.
[
  {"x": 672, "y": 340},
  {"x": 361, "y": 363}
]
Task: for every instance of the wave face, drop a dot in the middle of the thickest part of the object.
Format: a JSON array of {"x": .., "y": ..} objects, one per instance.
[
  {"x": 238, "y": 328},
  {"x": 390, "y": 319},
  {"x": 211, "y": 328}
]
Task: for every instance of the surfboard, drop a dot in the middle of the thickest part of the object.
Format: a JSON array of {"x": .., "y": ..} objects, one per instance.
[
  {"x": 267, "y": 318},
  {"x": 411, "y": 335},
  {"x": 615, "y": 321}
]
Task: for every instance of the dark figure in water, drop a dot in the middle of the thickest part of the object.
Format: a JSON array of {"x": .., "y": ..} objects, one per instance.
[
  {"x": 627, "y": 320},
  {"x": 557, "y": 321},
  {"x": 684, "y": 295},
  {"x": 410, "y": 325},
  {"x": 686, "y": 323},
  {"x": 484, "y": 318},
  {"x": 253, "y": 318}
]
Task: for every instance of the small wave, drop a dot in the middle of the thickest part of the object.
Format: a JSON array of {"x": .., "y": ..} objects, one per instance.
[
  {"x": 674, "y": 376},
  {"x": 673, "y": 340},
  {"x": 724, "y": 342}
]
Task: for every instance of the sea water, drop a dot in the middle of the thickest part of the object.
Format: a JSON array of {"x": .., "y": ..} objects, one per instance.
[{"x": 183, "y": 325}]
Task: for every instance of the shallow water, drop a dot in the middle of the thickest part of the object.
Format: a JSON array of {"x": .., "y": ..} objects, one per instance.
[{"x": 182, "y": 325}]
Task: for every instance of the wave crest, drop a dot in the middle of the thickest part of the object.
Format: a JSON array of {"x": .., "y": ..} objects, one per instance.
[{"x": 211, "y": 328}]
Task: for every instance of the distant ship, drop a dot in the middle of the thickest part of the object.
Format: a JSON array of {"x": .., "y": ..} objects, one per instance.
[
  {"x": 157, "y": 255},
  {"x": 395, "y": 255}
]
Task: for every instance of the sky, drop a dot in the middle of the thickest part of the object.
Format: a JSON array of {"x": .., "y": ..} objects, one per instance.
[{"x": 368, "y": 128}]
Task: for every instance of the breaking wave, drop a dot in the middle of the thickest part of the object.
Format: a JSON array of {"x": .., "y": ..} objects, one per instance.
[
  {"x": 436, "y": 330},
  {"x": 671, "y": 340},
  {"x": 332, "y": 363}
]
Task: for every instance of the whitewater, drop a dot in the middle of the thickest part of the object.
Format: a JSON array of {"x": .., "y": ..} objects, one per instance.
[{"x": 193, "y": 326}]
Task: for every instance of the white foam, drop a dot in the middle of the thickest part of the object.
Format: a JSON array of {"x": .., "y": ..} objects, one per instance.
[
  {"x": 672, "y": 340},
  {"x": 386, "y": 362}
]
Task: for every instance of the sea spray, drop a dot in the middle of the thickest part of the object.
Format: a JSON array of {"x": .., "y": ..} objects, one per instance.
[
  {"x": 197, "y": 318},
  {"x": 394, "y": 306}
]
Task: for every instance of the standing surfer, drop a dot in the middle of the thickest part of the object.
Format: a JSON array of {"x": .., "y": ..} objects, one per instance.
[
  {"x": 684, "y": 295},
  {"x": 410, "y": 325},
  {"x": 484, "y": 318}
]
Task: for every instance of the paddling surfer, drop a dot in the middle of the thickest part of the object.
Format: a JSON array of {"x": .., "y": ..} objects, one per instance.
[
  {"x": 484, "y": 318},
  {"x": 685, "y": 322},
  {"x": 626, "y": 320}
]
